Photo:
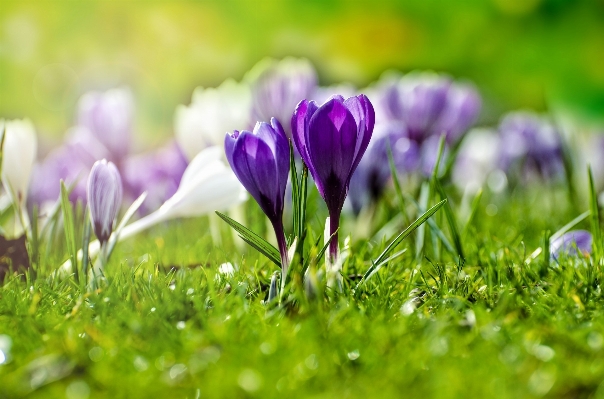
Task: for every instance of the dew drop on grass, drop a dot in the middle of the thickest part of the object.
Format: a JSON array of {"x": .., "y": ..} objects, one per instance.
[
  {"x": 141, "y": 364},
  {"x": 354, "y": 355},
  {"x": 266, "y": 348},
  {"x": 177, "y": 370},
  {"x": 96, "y": 354},
  {"x": 153, "y": 310},
  {"x": 543, "y": 352},
  {"x": 77, "y": 390},
  {"x": 181, "y": 325},
  {"x": 190, "y": 291},
  {"x": 408, "y": 307},
  {"x": 312, "y": 362},
  {"x": 491, "y": 210},
  {"x": 595, "y": 340},
  {"x": 541, "y": 382},
  {"x": 250, "y": 380},
  {"x": 5, "y": 345}
]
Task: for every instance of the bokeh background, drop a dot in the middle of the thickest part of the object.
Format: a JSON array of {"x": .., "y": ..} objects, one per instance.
[{"x": 539, "y": 54}]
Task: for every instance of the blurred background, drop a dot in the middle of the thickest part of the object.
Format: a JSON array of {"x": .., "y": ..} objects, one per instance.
[{"x": 539, "y": 54}]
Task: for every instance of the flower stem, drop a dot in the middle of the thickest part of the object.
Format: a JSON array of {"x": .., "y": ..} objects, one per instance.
[{"x": 334, "y": 224}]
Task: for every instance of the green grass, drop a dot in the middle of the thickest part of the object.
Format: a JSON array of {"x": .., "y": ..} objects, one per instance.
[{"x": 166, "y": 325}]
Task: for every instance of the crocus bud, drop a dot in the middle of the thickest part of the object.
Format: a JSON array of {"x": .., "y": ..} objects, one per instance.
[
  {"x": 104, "y": 197},
  {"x": 260, "y": 160},
  {"x": 19, "y": 154},
  {"x": 278, "y": 86},
  {"x": 331, "y": 140},
  {"x": 571, "y": 242},
  {"x": 213, "y": 111},
  {"x": 109, "y": 116}
]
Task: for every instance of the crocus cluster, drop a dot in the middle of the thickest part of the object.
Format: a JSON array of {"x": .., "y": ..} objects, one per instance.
[
  {"x": 524, "y": 148},
  {"x": 330, "y": 138},
  {"x": 103, "y": 130},
  {"x": 573, "y": 243}
]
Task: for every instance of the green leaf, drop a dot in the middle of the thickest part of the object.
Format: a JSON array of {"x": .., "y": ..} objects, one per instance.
[
  {"x": 569, "y": 226},
  {"x": 69, "y": 227},
  {"x": 595, "y": 217},
  {"x": 127, "y": 216},
  {"x": 397, "y": 185},
  {"x": 322, "y": 251},
  {"x": 474, "y": 210},
  {"x": 86, "y": 242},
  {"x": 424, "y": 197},
  {"x": 253, "y": 239},
  {"x": 295, "y": 190},
  {"x": 450, "y": 220},
  {"x": 399, "y": 238}
]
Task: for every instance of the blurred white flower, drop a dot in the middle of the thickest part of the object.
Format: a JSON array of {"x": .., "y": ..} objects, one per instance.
[
  {"x": 213, "y": 112},
  {"x": 19, "y": 155}
]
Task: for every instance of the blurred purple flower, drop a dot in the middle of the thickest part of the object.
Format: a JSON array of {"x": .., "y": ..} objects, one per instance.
[
  {"x": 104, "y": 198},
  {"x": 157, "y": 172},
  {"x": 109, "y": 117},
  {"x": 332, "y": 139},
  {"x": 530, "y": 145},
  {"x": 373, "y": 172},
  {"x": 260, "y": 160},
  {"x": 278, "y": 86},
  {"x": 71, "y": 163},
  {"x": 570, "y": 242}
]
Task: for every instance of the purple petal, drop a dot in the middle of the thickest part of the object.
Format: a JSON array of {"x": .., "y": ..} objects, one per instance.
[
  {"x": 104, "y": 197},
  {"x": 299, "y": 123},
  {"x": 570, "y": 242},
  {"x": 332, "y": 139}
]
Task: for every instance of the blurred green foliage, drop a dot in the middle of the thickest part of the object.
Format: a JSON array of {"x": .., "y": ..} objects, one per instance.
[{"x": 521, "y": 53}]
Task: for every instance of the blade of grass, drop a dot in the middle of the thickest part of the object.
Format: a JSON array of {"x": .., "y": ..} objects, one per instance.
[
  {"x": 450, "y": 220},
  {"x": 397, "y": 185},
  {"x": 253, "y": 239},
  {"x": 570, "y": 225},
  {"x": 595, "y": 217},
  {"x": 69, "y": 228},
  {"x": 398, "y": 239}
]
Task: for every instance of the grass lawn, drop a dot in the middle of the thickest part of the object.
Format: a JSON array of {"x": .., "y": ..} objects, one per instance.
[{"x": 167, "y": 324}]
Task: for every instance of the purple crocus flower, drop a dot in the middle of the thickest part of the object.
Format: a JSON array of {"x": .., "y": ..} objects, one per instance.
[
  {"x": 278, "y": 86},
  {"x": 530, "y": 146},
  {"x": 104, "y": 197},
  {"x": 372, "y": 174},
  {"x": 570, "y": 242},
  {"x": 331, "y": 140},
  {"x": 260, "y": 160},
  {"x": 109, "y": 117}
]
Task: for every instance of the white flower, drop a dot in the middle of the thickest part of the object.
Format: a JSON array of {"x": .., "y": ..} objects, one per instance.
[
  {"x": 213, "y": 112},
  {"x": 19, "y": 155}
]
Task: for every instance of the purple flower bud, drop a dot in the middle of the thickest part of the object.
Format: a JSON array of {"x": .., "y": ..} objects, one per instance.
[
  {"x": 104, "y": 197},
  {"x": 109, "y": 117},
  {"x": 260, "y": 160},
  {"x": 570, "y": 242},
  {"x": 331, "y": 140},
  {"x": 278, "y": 86},
  {"x": 530, "y": 146}
]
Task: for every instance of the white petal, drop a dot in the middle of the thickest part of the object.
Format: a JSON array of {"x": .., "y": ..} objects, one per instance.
[{"x": 19, "y": 155}]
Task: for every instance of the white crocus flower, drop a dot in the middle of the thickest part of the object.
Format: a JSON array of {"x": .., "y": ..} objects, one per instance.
[
  {"x": 213, "y": 112},
  {"x": 207, "y": 184},
  {"x": 19, "y": 155}
]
